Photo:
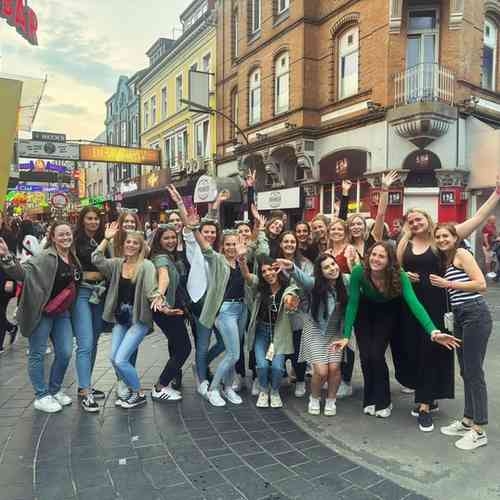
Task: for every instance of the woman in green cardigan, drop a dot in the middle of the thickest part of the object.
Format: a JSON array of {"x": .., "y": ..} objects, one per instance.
[{"x": 375, "y": 293}]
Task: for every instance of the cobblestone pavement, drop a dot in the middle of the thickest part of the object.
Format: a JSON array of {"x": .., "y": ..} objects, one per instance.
[{"x": 185, "y": 450}]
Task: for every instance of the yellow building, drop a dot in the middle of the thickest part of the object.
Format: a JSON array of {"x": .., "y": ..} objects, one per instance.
[{"x": 186, "y": 138}]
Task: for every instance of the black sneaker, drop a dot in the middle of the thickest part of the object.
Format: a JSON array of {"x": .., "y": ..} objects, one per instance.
[
  {"x": 136, "y": 399},
  {"x": 13, "y": 334},
  {"x": 98, "y": 394},
  {"x": 433, "y": 407},
  {"x": 425, "y": 421},
  {"x": 177, "y": 382},
  {"x": 89, "y": 404}
]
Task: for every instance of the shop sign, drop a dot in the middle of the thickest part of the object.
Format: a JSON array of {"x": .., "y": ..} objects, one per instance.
[
  {"x": 345, "y": 164},
  {"x": 59, "y": 200},
  {"x": 42, "y": 166},
  {"x": 447, "y": 198},
  {"x": 205, "y": 190},
  {"x": 279, "y": 199},
  {"x": 82, "y": 181},
  {"x": 46, "y": 149},
  {"x": 395, "y": 198},
  {"x": 45, "y": 188},
  {"x": 21, "y": 17},
  {"x": 422, "y": 161},
  {"x": 127, "y": 187},
  {"x": 152, "y": 180},
  {"x": 48, "y": 136},
  {"x": 118, "y": 154}
]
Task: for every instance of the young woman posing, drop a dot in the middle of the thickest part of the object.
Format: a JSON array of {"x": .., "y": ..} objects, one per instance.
[
  {"x": 171, "y": 319},
  {"x": 375, "y": 293},
  {"x": 89, "y": 305},
  {"x": 50, "y": 280},
  {"x": 430, "y": 370},
  {"x": 327, "y": 299},
  {"x": 289, "y": 249},
  {"x": 270, "y": 327},
  {"x": 132, "y": 293},
  {"x": 464, "y": 283}
]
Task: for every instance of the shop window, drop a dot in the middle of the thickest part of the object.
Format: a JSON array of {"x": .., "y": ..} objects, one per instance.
[
  {"x": 490, "y": 55},
  {"x": 282, "y": 83},
  {"x": 254, "y": 98},
  {"x": 359, "y": 198},
  {"x": 348, "y": 63}
]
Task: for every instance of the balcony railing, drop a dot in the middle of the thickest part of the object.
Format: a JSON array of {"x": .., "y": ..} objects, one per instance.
[{"x": 427, "y": 82}]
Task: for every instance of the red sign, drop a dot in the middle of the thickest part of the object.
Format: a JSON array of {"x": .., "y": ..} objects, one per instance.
[{"x": 21, "y": 17}]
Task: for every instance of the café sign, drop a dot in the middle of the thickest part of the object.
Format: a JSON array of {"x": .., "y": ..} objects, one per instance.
[{"x": 21, "y": 17}]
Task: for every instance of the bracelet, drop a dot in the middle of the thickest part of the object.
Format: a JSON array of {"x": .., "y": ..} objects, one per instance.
[{"x": 193, "y": 227}]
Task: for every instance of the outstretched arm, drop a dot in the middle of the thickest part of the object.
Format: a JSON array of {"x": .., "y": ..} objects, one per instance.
[
  {"x": 378, "y": 227},
  {"x": 344, "y": 200}
]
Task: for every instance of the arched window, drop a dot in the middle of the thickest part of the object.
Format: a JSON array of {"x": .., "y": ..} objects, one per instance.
[
  {"x": 234, "y": 112},
  {"x": 348, "y": 63},
  {"x": 490, "y": 54},
  {"x": 282, "y": 83},
  {"x": 254, "y": 95}
]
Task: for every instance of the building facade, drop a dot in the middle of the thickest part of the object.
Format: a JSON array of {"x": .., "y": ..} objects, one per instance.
[
  {"x": 186, "y": 138},
  {"x": 334, "y": 89}
]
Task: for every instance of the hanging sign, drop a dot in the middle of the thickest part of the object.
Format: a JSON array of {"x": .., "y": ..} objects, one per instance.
[
  {"x": 21, "y": 17},
  {"x": 59, "y": 200}
]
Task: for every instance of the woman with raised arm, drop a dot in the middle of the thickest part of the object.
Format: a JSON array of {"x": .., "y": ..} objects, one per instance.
[
  {"x": 465, "y": 283},
  {"x": 50, "y": 281},
  {"x": 132, "y": 294},
  {"x": 89, "y": 305},
  {"x": 428, "y": 369},
  {"x": 171, "y": 320},
  {"x": 359, "y": 237},
  {"x": 375, "y": 292},
  {"x": 270, "y": 327},
  {"x": 289, "y": 249},
  {"x": 322, "y": 323}
]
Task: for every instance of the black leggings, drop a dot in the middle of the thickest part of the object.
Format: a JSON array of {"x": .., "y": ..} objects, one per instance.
[
  {"x": 347, "y": 365},
  {"x": 374, "y": 327},
  {"x": 179, "y": 345},
  {"x": 3, "y": 321},
  {"x": 299, "y": 368}
]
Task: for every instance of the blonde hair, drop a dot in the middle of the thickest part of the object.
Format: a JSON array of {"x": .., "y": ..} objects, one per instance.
[
  {"x": 121, "y": 234},
  {"x": 349, "y": 222},
  {"x": 345, "y": 227},
  {"x": 139, "y": 236},
  {"x": 407, "y": 236}
]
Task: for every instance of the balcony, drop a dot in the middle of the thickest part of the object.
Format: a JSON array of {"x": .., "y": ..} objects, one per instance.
[{"x": 423, "y": 103}]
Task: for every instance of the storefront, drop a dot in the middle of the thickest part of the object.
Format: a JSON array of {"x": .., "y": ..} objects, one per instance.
[{"x": 287, "y": 200}]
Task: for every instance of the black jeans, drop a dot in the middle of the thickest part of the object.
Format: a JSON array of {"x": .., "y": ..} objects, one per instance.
[
  {"x": 374, "y": 327},
  {"x": 3, "y": 321},
  {"x": 179, "y": 345},
  {"x": 473, "y": 326},
  {"x": 347, "y": 365},
  {"x": 299, "y": 368}
]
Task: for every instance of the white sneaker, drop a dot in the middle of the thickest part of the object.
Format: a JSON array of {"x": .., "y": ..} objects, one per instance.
[
  {"x": 122, "y": 390},
  {"x": 313, "y": 408},
  {"x": 276, "y": 400},
  {"x": 263, "y": 400},
  {"x": 344, "y": 390},
  {"x": 237, "y": 383},
  {"x": 203, "y": 389},
  {"x": 62, "y": 398},
  {"x": 330, "y": 409},
  {"x": 47, "y": 404},
  {"x": 472, "y": 440},
  {"x": 300, "y": 389},
  {"x": 385, "y": 413},
  {"x": 165, "y": 394},
  {"x": 369, "y": 410},
  {"x": 456, "y": 428},
  {"x": 255, "y": 387},
  {"x": 232, "y": 396},
  {"x": 214, "y": 398}
]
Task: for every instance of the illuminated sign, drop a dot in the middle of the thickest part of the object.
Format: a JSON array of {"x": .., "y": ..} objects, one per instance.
[
  {"x": 46, "y": 149},
  {"x": 21, "y": 17},
  {"x": 152, "y": 180},
  {"x": 114, "y": 154},
  {"x": 45, "y": 188},
  {"x": 128, "y": 187},
  {"x": 81, "y": 183},
  {"x": 42, "y": 166}
]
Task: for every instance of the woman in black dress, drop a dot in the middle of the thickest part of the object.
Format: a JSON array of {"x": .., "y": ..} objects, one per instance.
[{"x": 423, "y": 365}]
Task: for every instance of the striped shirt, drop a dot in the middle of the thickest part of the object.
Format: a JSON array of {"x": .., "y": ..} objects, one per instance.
[{"x": 459, "y": 296}]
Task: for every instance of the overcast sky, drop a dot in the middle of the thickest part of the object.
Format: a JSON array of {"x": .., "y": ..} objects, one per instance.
[{"x": 83, "y": 47}]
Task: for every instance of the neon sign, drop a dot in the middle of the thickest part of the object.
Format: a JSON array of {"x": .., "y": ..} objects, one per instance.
[{"x": 21, "y": 17}]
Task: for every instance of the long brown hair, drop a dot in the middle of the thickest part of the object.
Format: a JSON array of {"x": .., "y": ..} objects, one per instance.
[
  {"x": 392, "y": 273},
  {"x": 447, "y": 258},
  {"x": 121, "y": 234},
  {"x": 50, "y": 239},
  {"x": 79, "y": 233}
]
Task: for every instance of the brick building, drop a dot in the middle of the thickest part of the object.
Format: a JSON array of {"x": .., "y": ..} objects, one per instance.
[{"x": 332, "y": 89}]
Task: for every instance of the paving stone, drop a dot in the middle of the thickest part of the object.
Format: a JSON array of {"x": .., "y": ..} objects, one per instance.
[
  {"x": 225, "y": 462},
  {"x": 277, "y": 446},
  {"x": 389, "y": 490},
  {"x": 333, "y": 482},
  {"x": 246, "y": 448},
  {"x": 16, "y": 492},
  {"x": 211, "y": 443},
  {"x": 355, "y": 493},
  {"x": 153, "y": 451},
  {"x": 235, "y": 436},
  {"x": 363, "y": 477},
  {"x": 97, "y": 493},
  {"x": 316, "y": 469},
  {"x": 276, "y": 472},
  {"x": 257, "y": 460},
  {"x": 217, "y": 452},
  {"x": 264, "y": 436},
  {"x": 204, "y": 480},
  {"x": 319, "y": 453},
  {"x": 222, "y": 492},
  {"x": 180, "y": 492},
  {"x": 294, "y": 487},
  {"x": 296, "y": 436},
  {"x": 291, "y": 458}
]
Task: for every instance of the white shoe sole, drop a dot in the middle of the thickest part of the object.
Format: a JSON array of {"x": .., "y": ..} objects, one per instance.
[
  {"x": 453, "y": 433},
  {"x": 426, "y": 429},
  {"x": 90, "y": 410},
  {"x": 481, "y": 443},
  {"x": 44, "y": 410},
  {"x": 330, "y": 413}
]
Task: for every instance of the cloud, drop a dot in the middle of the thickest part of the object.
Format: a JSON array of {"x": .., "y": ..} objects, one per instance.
[{"x": 68, "y": 109}]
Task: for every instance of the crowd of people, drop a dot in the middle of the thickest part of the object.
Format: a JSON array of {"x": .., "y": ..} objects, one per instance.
[{"x": 252, "y": 297}]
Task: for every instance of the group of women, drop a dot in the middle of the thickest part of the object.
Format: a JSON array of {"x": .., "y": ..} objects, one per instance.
[{"x": 279, "y": 294}]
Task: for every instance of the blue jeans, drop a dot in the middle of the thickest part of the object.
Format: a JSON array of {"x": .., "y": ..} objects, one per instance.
[
  {"x": 87, "y": 326},
  {"x": 204, "y": 353},
  {"x": 276, "y": 367},
  {"x": 59, "y": 329},
  {"x": 124, "y": 342},
  {"x": 231, "y": 323}
]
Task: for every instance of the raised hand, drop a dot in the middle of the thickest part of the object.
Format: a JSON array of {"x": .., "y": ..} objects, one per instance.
[
  {"x": 262, "y": 221},
  {"x": 4, "y": 249},
  {"x": 254, "y": 211},
  {"x": 282, "y": 265},
  {"x": 338, "y": 345},
  {"x": 446, "y": 340},
  {"x": 250, "y": 178},
  {"x": 224, "y": 195},
  {"x": 241, "y": 248},
  {"x": 111, "y": 230},
  {"x": 389, "y": 178},
  {"x": 174, "y": 194},
  {"x": 192, "y": 217}
]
